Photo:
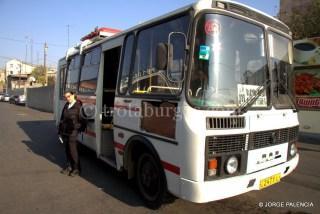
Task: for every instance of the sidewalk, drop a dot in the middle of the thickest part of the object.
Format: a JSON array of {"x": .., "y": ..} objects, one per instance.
[{"x": 309, "y": 141}]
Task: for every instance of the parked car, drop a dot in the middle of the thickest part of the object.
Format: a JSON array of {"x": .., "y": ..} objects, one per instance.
[
  {"x": 1, "y": 96},
  {"x": 13, "y": 99},
  {"x": 6, "y": 98},
  {"x": 21, "y": 100}
]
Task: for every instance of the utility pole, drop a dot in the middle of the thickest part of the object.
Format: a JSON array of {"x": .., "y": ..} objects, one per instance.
[
  {"x": 38, "y": 62},
  {"x": 276, "y": 11},
  {"x": 26, "y": 56},
  {"x": 25, "y": 61},
  {"x": 31, "y": 51},
  {"x": 5, "y": 78},
  {"x": 20, "y": 65},
  {"x": 44, "y": 63},
  {"x": 68, "y": 34}
]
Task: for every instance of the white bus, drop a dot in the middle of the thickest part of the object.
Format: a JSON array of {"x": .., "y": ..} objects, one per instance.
[{"x": 194, "y": 102}]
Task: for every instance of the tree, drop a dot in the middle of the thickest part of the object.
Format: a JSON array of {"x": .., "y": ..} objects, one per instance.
[
  {"x": 39, "y": 74},
  {"x": 305, "y": 23},
  {"x": 51, "y": 80},
  {"x": 1, "y": 84}
]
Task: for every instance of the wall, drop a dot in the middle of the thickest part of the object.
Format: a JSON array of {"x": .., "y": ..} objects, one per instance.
[
  {"x": 309, "y": 121},
  {"x": 17, "y": 91},
  {"x": 41, "y": 98}
]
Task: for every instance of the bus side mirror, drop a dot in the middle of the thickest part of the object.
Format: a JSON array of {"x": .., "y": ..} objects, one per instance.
[
  {"x": 162, "y": 56},
  {"x": 177, "y": 49}
]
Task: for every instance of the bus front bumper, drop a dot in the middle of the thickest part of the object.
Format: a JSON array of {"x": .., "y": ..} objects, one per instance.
[{"x": 201, "y": 192}]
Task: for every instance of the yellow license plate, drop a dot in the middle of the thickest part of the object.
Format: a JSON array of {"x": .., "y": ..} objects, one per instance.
[{"x": 270, "y": 180}]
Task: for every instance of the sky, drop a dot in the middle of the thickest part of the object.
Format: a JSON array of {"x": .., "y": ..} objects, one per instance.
[{"x": 26, "y": 25}]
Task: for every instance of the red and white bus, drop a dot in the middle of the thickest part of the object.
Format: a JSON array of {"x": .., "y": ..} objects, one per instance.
[{"x": 194, "y": 102}]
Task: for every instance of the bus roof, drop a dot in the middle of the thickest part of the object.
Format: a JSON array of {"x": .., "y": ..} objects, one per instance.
[
  {"x": 253, "y": 9},
  {"x": 230, "y": 5}
]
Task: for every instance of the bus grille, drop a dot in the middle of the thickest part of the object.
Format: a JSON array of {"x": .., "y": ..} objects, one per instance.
[
  {"x": 225, "y": 144},
  {"x": 225, "y": 122},
  {"x": 269, "y": 138}
]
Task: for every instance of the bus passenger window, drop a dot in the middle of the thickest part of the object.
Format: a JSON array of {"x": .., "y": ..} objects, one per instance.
[
  {"x": 89, "y": 72},
  {"x": 125, "y": 70},
  {"x": 73, "y": 73},
  {"x": 146, "y": 78},
  {"x": 62, "y": 81}
]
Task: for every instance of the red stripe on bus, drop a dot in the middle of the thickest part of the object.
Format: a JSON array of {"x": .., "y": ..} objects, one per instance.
[
  {"x": 126, "y": 107},
  {"x": 90, "y": 133},
  {"x": 170, "y": 167},
  {"x": 87, "y": 99},
  {"x": 119, "y": 146}
]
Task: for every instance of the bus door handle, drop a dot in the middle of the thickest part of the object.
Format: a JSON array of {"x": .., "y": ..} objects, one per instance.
[{"x": 127, "y": 101}]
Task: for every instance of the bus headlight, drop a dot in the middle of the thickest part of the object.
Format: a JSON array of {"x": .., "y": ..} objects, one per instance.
[
  {"x": 232, "y": 165},
  {"x": 293, "y": 150}
]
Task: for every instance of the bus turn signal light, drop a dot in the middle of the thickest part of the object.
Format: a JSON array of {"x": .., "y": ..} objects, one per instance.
[{"x": 212, "y": 167}]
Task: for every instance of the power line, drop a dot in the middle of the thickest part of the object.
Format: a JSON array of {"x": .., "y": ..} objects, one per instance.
[
  {"x": 37, "y": 43},
  {"x": 52, "y": 61},
  {"x": 6, "y": 57}
]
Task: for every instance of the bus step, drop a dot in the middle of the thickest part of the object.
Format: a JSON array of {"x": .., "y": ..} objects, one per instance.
[{"x": 109, "y": 160}]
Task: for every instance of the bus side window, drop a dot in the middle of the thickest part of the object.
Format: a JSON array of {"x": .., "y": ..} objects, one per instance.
[
  {"x": 89, "y": 71},
  {"x": 146, "y": 78},
  {"x": 62, "y": 71},
  {"x": 73, "y": 74},
  {"x": 126, "y": 62}
]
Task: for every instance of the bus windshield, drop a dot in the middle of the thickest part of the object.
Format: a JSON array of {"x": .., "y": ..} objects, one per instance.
[{"x": 229, "y": 63}]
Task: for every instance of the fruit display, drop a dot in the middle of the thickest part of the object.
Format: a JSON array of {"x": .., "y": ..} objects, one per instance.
[{"x": 307, "y": 83}]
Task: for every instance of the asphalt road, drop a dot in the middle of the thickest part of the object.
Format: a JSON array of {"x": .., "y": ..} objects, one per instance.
[{"x": 30, "y": 182}]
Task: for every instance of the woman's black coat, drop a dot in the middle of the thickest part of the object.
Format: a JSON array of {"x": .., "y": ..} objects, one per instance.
[{"x": 70, "y": 121}]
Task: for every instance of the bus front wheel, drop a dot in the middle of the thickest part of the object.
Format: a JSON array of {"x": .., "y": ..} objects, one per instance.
[{"x": 151, "y": 180}]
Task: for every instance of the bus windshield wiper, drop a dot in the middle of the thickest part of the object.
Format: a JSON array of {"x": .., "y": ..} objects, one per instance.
[
  {"x": 280, "y": 83},
  {"x": 288, "y": 92},
  {"x": 243, "y": 108}
]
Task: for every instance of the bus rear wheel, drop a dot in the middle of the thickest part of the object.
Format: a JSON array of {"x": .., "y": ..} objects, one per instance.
[{"x": 151, "y": 180}]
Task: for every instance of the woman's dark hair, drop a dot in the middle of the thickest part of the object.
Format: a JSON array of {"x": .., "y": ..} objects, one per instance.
[
  {"x": 69, "y": 91},
  {"x": 72, "y": 93}
]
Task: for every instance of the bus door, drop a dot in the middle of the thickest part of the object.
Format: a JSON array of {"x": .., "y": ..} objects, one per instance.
[
  {"x": 59, "y": 90},
  {"x": 105, "y": 147}
]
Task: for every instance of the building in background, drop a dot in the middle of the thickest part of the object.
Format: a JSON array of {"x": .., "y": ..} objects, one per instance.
[
  {"x": 16, "y": 67},
  {"x": 288, "y": 7},
  {"x": 51, "y": 72},
  {"x": 18, "y": 73},
  {"x": 2, "y": 79},
  {"x": 2, "y": 75}
]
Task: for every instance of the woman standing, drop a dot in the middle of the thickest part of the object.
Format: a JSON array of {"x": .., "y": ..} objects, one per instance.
[{"x": 69, "y": 126}]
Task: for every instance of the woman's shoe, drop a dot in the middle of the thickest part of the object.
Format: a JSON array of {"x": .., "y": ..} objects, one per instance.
[
  {"x": 66, "y": 170},
  {"x": 74, "y": 173}
]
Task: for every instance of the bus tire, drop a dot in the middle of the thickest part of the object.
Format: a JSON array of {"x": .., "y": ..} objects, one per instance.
[{"x": 151, "y": 181}]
